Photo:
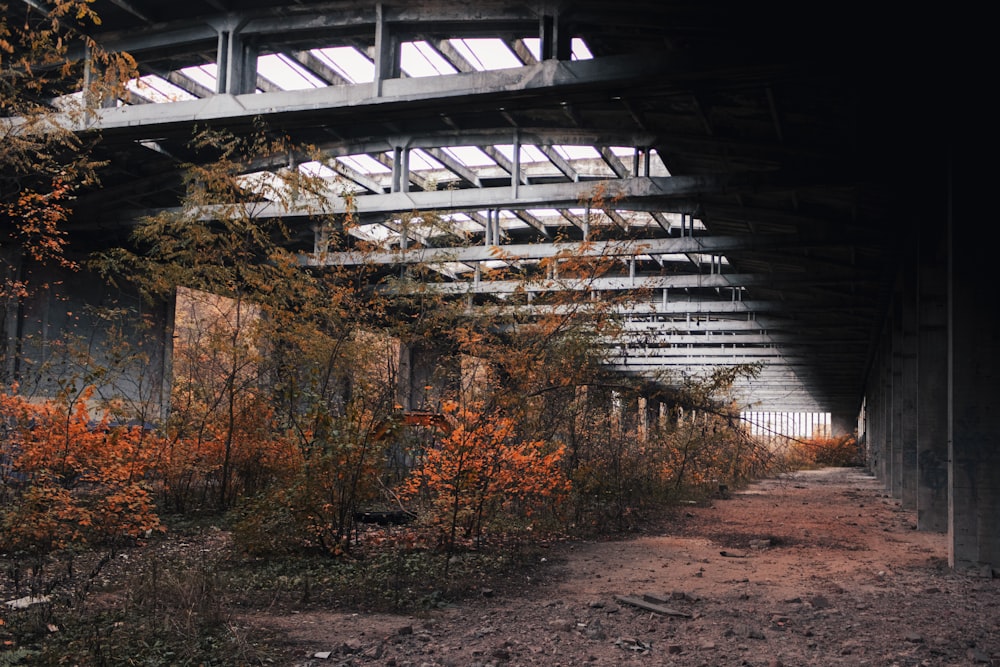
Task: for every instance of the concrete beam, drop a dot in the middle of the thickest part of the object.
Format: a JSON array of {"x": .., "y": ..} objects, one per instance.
[
  {"x": 553, "y": 77},
  {"x": 655, "y": 246},
  {"x": 629, "y": 194},
  {"x": 604, "y": 283}
]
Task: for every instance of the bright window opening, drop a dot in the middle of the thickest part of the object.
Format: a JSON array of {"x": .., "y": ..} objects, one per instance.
[
  {"x": 286, "y": 73},
  {"x": 486, "y": 53},
  {"x": 419, "y": 59},
  {"x": 348, "y": 62}
]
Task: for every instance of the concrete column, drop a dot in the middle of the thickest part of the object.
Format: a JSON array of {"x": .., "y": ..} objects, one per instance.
[
  {"x": 974, "y": 394},
  {"x": 885, "y": 411},
  {"x": 555, "y": 38},
  {"x": 426, "y": 377},
  {"x": 932, "y": 373},
  {"x": 896, "y": 360},
  {"x": 387, "y": 65},
  {"x": 908, "y": 379},
  {"x": 642, "y": 425},
  {"x": 236, "y": 62},
  {"x": 404, "y": 378}
]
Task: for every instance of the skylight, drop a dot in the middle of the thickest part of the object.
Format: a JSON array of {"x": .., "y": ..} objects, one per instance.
[
  {"x": 156, "y": 89},
  {"x": 470, "y": 156},
  {"x": 578, "y": 152},
  {"x": 364, "y": 163},
  {"x": 348, "y": 62},
  {"x": 205, "y": 74},
  {"x": 529, "y": 153},
  {"x": 486, "y": 53},
  {"x": 286, "y": 73},
  {"x": 579, "y": 48},
  {"x": 419, "y": 59},
  {"x": 421, "y": 160}
]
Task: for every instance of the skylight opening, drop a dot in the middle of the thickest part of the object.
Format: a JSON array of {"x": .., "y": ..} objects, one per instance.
[
  {"x": 316, "y": 169},
  {"x": 488, "y": 53},
  {"x": 623, "y": 151},
  {"x": 286, "y": 73},
  {"x": 578, "y": 152},
  {"x": 470, "y": 156},
  {"x": 534, "y": 45},
  {"x": 377, "y": 233},
  {"x": 364, "y": 163},
  {"x": 158, "y": 90},
  {"x": 544, "y": 212},
  {"x": 419, "y": 160},
  {"x": 206, "y": 75},
  {"x": 419, "y": 59},
  {"x": 529, "y": 153},
  {"x": 268, "y": 185},
  {"x": 348, "y": 62},
  {"x": 580, "y": 50}
]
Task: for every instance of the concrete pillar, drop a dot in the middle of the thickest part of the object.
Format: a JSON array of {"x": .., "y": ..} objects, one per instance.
[
  {"x": 885, "y": 411},
  {"x": 426, "y": 377},
  {"x": 974, "y": 394},
  {"x": 896, "y": 360},
  {"x": 555, "y": 38},
  {"x": 387, "y": 64},
  {"x": 642, "y": 425},
  {"x": 932, "y": 374},
  {"x": 236, "y": 62},
  {"x": 908, "y": 380}
]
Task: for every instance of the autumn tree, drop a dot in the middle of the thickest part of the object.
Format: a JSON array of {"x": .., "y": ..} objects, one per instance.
[
  {"x": 70, "y": 479},
  {"x": 51, "y": 72}
]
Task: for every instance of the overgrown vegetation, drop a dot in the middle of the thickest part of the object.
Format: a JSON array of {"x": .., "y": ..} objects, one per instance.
[{"x": 287, "y": 423}]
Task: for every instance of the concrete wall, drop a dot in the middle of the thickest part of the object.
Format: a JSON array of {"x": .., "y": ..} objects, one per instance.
[
  {"x": 931, "y": 418},
  {"x": 74, "y": 331}
]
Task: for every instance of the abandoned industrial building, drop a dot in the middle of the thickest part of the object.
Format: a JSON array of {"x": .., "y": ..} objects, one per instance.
[{"x": 714, "y": 189}]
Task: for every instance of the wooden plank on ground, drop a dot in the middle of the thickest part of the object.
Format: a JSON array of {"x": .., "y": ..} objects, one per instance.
[{"x": 651, "y": 606}]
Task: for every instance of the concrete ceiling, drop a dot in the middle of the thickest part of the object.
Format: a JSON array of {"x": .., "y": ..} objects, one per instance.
[{"x": 763, "y": 166}]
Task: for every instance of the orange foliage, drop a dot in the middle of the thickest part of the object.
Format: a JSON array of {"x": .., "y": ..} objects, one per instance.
[
  {"x": 68, "y": 479},
  {"x": 841, "y": 451},
  {"x": 481, "y": 470}
]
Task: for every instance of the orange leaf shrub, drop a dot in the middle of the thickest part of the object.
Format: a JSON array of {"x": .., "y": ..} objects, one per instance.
[
  {"x": 68, "y": 479},
  {"x": 482, "y": 472},
  {"x": 841, "y": 451}
]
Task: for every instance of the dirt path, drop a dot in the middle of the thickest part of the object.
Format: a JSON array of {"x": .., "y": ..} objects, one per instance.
[{"x": 814, "y": 568}]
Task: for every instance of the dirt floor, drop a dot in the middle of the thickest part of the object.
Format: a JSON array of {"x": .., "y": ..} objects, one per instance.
[{"x": 812, "y": 568}]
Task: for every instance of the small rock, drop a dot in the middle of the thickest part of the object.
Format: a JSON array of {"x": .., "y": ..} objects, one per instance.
[
  {"x": 487, "y": 592},
  {"x": 978, "y": 656},
  {"x": 405, "y": 630},
  {"x": 819, "y": 602},
  {"x": 595, "y": 631},
  {"x": 322, "y": 655},
  {"x": 561, "y": 625},
  {"x": 674, "y": 648},
  {"x": 596, "y": 604},
  {"x": 749, "y": 632},
  {"x": 914, "y": 637}
]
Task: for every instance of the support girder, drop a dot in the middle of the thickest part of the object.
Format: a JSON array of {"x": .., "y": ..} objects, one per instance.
[
  {"x": 629, "y": 194},
  {"x": 549, "y": 78},
  {"x": 631, "y": 248},
  {"x": 638, "y": 283}
]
